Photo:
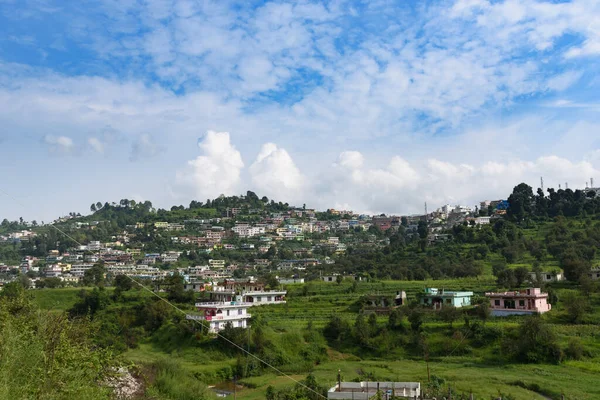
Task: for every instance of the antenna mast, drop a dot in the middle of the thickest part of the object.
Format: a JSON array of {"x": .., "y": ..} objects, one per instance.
[{"x": 425, "y": 211}]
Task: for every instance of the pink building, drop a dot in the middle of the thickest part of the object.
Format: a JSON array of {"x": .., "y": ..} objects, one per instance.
[{"x": 520, "y": 302}]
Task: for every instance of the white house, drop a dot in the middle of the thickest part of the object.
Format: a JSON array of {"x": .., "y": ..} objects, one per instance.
[
  {"x": 253, "y": 293},
  {"x": 546, "y": 276},
  {"x": 218, "y": 314},
  {"x": 368, "y": 390}
]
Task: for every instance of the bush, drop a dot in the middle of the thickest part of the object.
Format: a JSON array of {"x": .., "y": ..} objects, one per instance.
[{"x": 575, "y": 350}]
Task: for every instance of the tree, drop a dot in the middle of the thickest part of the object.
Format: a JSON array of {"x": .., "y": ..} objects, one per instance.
[
  {"x": 577, "y": 307},
  {"x": 422, "y": 229},
  {"x": 339, "y": 279},
  {"x": 271, "y": 281},
  {"x": 449, "y": 314},
  {"x": 123, "y": 283},
  {"x": 361, "y": 329},
  {"x": 415, "y": 317},
  {"x": 93, "y": 208},
  {"x": 94, "y": 276},
  {"x": 535, "y": 342},
  {"x": 521, "y": 275},
  {"x": 25, "y": 281},
  {"x": 520, "y": 202},
  {"x": 175, "y": 288},
  {"x": 336, "y": 329}
]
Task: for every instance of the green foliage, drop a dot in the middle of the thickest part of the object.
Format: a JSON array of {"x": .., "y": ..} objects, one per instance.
[
  {"x": 535, "y": 342},
  {"x": 173, "y": 382},
  {"x": 90, "y": 302},
  {"x": 577, "y": 307},
  {"x": 43, "y": 355},
  {"x": 176, "y": 290}
]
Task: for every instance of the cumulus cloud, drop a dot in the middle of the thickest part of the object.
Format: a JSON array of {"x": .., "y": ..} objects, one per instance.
[
  {"x": 403, "y": 187},
  {"x": 215, "y": 172},
  {"x": 59, "y": 144},
  {"x": 275, "y": 174},
  {"x": 144, "y": 147}
]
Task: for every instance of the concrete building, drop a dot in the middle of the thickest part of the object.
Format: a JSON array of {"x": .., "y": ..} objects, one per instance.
[
  {"x": 518, "y": 302},
  {"x": 546, "y": 277},
  {"x": 253, "y": 293},
  {"x": 438, "y": 298},
  {"x": 368, "y": 390},
  {"x": 594, "y": 273},
  {"x": 218, "y": 314}
]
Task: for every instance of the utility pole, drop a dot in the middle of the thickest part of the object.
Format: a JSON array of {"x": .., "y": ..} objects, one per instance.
[
  {"x": 234, "y": 388},
  {"x": 542, "y": 183}
]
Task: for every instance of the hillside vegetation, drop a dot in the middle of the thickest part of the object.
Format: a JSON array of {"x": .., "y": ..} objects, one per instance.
[{"x": 326, "y": 327}]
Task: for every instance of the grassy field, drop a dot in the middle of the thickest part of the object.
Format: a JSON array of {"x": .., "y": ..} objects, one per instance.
[
  {"x": 477, "y": 371},
  {"x": 56, "y": 299}
]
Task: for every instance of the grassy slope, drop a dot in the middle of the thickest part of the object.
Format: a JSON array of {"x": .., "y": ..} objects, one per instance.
[
  {"x": 474, "y": 372},
  {"x": 465, "y": 373}
]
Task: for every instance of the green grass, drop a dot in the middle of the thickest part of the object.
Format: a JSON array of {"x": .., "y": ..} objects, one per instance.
[
  {"x": 478, "y": 371},
  {"x": 56, "y": 299}
]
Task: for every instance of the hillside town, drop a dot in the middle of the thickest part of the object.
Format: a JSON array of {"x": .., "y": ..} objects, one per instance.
[{"x": 292, "y": 244}]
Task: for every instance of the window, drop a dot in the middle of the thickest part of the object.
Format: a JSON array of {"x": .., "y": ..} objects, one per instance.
[
  {"x": 496, "y": 302},
  {"x": 521, "y": 303},
  {"x": 240, "y": 311},
  {"x": 548, "y": 277},
  {"x": 258, "y": 298},
  {"x": 268, "y": 298},
  {"x": 448, "y": 301},
  {"x": 228, "y": 313}
]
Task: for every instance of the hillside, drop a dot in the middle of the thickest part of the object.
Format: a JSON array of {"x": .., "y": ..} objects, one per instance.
[{"x": 324, "y": 327}]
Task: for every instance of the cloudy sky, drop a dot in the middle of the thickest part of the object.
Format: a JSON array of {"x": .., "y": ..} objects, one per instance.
[{"x": 375, "y": 105}]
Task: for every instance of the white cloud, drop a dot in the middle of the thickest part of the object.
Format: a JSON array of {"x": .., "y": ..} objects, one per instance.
[
  {"x": 216, "y": 171},
  {"x": 96, "y": 144},
  {"x": 275, "y": 174},
  {"x": 59, "y": 144},
  {"x": 351, "y": 159},
  {"x": 564, "y": 80}
]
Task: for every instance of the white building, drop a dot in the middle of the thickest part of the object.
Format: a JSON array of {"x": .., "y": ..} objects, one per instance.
[
  {"x": 216, "y": 263},
  {"x": 482, "y": 221},
  {"x": 250, "y": 292},
  {"x": 594, "y": 273},
  {"x": 94, "y": 245},
  {"x": 547, "y": 276},
  {"x": 218, "y": 314},
  {"x": 368, "y": 390}
]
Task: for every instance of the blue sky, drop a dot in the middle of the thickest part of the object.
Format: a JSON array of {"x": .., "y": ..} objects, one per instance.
[{"x": 373, "y": 105}]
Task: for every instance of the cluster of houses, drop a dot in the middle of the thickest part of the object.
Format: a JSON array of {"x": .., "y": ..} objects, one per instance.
[
  {"x": 517, "y": 302},
  {"x": 20, "y": 236}
]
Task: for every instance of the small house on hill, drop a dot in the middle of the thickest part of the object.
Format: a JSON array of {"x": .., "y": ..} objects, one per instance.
[
  {"x": 380, "y": 303},
  {"x": 437, "y": 298},
  {"x": 518, "y": 302}
]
